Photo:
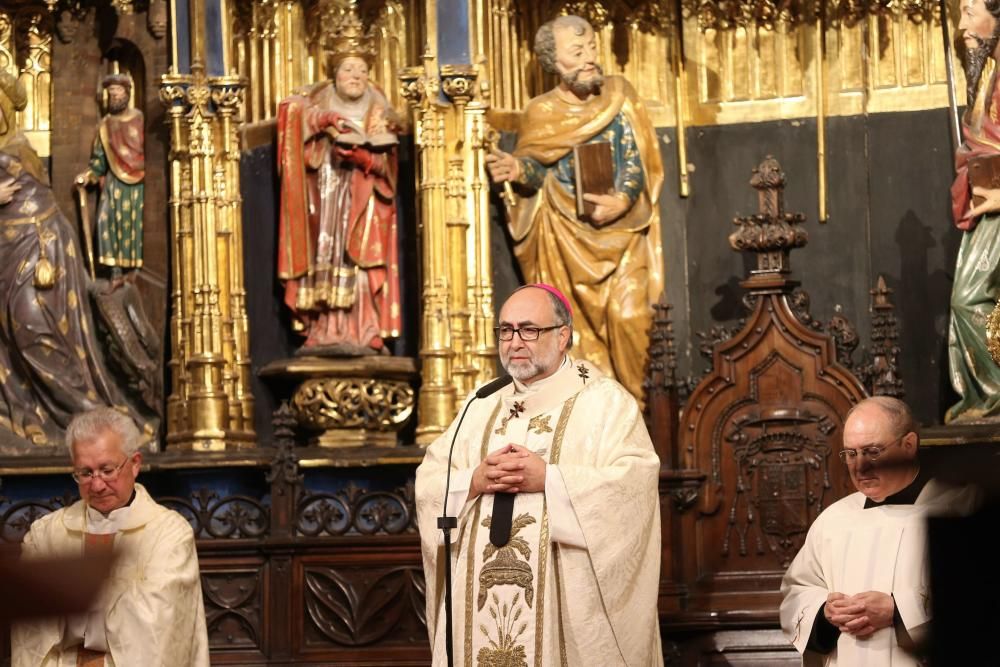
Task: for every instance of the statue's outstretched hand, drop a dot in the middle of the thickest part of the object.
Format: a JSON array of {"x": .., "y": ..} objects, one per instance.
[
  {"x": 502, "y": 167},
  {"x": 7, "y": 190},
  {"x": 609, "y": 207},
  {"x": 991, "y": 205}
]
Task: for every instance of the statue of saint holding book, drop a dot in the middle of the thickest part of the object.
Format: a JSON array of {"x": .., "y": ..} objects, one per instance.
[
  {"x": 586, "y": 176},
  {"x": 337, "y": 239}
]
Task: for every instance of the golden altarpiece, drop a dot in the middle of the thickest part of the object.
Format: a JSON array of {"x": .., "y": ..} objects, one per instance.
[{"x": 297, "y": 472}]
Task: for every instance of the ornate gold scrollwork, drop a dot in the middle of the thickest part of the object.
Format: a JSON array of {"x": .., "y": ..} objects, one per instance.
[
  {"x": 993, "y": 333},
  {"x": 354, "y": 403}
]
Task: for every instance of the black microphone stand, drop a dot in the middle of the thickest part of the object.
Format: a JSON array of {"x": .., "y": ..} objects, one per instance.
[{"x": 447, "y": 523}]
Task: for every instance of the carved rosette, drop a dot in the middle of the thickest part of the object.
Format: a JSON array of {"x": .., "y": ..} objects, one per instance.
[{"x": 349, "y": 401}]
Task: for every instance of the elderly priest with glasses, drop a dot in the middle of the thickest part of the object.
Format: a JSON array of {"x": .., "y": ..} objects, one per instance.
[
  {"x": 858, "y": 592},
  {"x": 150, "y": 611},
  {"x": 552, "y": 489}
]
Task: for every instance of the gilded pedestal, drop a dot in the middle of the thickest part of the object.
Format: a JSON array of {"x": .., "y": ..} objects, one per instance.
[{"x": 349, "y": 402}]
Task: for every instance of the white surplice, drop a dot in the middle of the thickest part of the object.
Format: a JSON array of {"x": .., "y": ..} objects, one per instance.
[
  {"x": 150, "y": 612},
  {"x": 578, "y": 582},
  {"x": 850, "y": 550}
]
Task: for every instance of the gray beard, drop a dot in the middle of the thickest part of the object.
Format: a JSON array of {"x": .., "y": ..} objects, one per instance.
[
  {"x": 975, "y": 62},
  {"x": 584, "y": 89}
]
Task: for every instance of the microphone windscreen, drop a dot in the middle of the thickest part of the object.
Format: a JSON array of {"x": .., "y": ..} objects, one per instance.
[{"x": 493, "y": 386}]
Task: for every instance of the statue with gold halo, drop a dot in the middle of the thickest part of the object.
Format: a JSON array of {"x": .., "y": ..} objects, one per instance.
[
  {"x": 51, "y": 364},
  {"x": 610, "y": 264},
  {"x": 118, "y": 165},
  {"x": 337, "y": 240}
]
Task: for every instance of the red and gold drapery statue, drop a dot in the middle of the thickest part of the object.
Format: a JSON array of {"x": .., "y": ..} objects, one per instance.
[{"x": 337, "y": 240}]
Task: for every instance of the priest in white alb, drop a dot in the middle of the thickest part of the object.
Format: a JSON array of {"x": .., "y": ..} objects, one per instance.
[
  {"x": 150, "y": 610},
  {"x": 857, "y": 593},
  {"x": 554, "y": 486}
]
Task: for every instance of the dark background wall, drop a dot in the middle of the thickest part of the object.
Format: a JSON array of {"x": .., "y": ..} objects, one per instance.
[
  {"x": 888, "y": 179},
  {"x": 889, "y": 213}
]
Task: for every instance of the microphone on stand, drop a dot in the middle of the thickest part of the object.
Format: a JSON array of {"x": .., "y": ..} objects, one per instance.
[{"x": 445, "y": 522}]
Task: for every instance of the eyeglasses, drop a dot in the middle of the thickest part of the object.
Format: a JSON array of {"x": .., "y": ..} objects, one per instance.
[
  {"x": 105, "y": 474},
  {"x": 871, "y": 452},
  {"x": 527, "y": 334}
]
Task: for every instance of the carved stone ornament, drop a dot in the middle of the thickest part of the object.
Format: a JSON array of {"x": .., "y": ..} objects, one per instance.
[
  {"x": 458, "y": 82},
  {"x": 350, "y": 402},
  {"x": 411, "y": 84},
  {"x": 156, "y": 18}
]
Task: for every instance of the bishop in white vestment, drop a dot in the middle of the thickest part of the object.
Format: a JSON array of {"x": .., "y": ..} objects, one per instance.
[
  {"x": 150, "y": 612},
  {"x": 857, "y": 593},
  {"x": 577, "y": 582}
]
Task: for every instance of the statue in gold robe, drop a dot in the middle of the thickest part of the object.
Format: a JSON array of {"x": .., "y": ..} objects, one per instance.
[{"x": 610, "y": 265}]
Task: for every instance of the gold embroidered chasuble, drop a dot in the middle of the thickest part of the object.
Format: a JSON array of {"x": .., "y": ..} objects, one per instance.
[
  {"x": 153, "y": 612},
  {"x": 579, "y": 577}
]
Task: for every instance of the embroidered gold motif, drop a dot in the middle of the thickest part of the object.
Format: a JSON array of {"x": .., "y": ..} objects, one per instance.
[
  {"x": 540, "y": 424},
  {"x": 506, "y": 569},
  {"x": 583, "y": 372},
  {"x": 515, "y": 412},
  {"x": 504, "y": 651}
]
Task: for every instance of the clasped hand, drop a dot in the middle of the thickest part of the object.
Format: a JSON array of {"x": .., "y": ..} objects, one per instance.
[
  {"x": 510, "y": 469},
  {"x": 8, "y": 189},
  {"x": 859, "y": 615}
]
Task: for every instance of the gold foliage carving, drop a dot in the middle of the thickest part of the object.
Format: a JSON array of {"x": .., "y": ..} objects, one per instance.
[{"x": 378, "y": 405}]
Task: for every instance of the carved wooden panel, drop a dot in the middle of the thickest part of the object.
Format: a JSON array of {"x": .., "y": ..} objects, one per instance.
[
  {"x": 355, "y": 603},
  {"x": 234, "y": 594}
]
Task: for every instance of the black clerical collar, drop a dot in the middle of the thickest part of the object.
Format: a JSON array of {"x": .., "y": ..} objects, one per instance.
[{"x": 907, "y": 496}]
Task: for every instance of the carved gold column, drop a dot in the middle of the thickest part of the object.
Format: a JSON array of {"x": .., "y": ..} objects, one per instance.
[
  {"x": 471, "y": 102},
  {"x": 458, "y": 350},
  {"x": 210, "y": 406},
  {"x": 436, "y": 407}
]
